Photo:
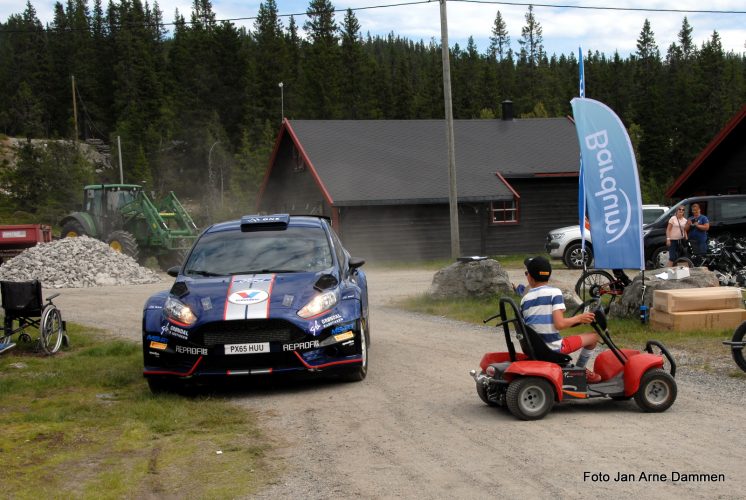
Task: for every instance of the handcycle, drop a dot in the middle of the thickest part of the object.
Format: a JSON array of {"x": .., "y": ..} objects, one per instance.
[
  {"x": 599, "y": 284},
  {"x": 24, "y": 307},
  {"x": 737, "y": 344},
  {"x": 529, "y": 383}
]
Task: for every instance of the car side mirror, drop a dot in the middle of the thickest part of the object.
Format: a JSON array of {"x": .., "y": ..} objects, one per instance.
[
  {"x": 355, "y": 263},
  {"x": 173, "y": 271}
]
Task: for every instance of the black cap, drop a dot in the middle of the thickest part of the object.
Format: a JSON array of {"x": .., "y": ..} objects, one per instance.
[{"x": 538, "y": 268}]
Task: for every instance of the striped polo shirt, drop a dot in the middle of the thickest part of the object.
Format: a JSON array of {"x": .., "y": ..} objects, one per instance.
[{"x": 537, "y": 307}]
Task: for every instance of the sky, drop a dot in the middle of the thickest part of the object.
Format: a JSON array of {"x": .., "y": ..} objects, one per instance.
[{"x": 564, "y": 29}]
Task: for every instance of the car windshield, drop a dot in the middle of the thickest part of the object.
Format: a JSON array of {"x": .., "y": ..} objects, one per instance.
[
  {"x": 295, "y": 249},
  {"x": 651, "y": 214}
]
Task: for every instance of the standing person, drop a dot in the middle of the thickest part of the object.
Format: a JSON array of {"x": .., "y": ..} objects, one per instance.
[
  {"x": 543, "y": 310},
  {"x": 676, "y": 230},
  {"x": 699, "y": 225}
]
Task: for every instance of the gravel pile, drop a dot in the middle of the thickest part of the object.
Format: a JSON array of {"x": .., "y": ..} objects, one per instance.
[{"x": 76, "y": 263}]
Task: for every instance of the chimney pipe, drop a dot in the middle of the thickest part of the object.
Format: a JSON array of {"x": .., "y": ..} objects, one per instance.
[{"x": 507, "y": 106}]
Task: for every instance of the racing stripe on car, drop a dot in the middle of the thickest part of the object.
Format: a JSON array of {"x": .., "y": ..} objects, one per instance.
[{"x": 248, "y": 297}]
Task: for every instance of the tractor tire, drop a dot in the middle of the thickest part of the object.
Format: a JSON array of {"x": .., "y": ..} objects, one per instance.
[
  {"x": 173, "y": 258},
  {"x": 124, "y": 242},
  {"x": 73, "y": 229}
]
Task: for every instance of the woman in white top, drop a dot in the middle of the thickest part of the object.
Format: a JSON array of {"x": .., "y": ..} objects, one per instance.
[{"x": 676, "y": 230}]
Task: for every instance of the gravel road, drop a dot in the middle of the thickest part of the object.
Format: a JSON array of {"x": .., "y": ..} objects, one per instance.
[{"x": 415, "y": 428}]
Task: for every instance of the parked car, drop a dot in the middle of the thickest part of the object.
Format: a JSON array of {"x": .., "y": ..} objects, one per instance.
[
  {"x": 259, "y": 296},
  {"x": 727, "y": 214},
  {"x": 565, "y": 243}
]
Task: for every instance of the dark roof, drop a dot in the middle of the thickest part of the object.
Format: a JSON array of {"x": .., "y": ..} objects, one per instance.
[
  {"x": 728, "y": 132},
  {"x": 393, "y": 161}
]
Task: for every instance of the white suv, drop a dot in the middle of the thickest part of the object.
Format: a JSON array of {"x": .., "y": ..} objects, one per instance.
[{"x": 564, "y": 243}]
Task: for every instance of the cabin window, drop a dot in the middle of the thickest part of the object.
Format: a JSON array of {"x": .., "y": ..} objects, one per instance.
[{"x": 504, "y": 212}]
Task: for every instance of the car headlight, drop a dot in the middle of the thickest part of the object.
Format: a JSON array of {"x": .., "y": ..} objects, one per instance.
[
  {"x": 318, "y": 304},
  {"x": 645, "y": 232},
  {"x": 556, "y": 236},
  {"x": 179, "y": 312}
]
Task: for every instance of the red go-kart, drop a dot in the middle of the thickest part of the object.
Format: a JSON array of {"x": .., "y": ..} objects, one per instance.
[{"x": 530, "y": 382}]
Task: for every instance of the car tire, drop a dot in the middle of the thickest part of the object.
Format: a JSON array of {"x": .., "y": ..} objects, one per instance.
[
  {"x": 572, "y": 256},
  {"x": 359, "y": 373},
  {"x": 659, "y": 258}
]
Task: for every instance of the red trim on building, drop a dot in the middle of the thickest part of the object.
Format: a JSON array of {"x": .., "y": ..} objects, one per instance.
[
  {"x": 288, "y": 129},
  {"x": 507, "y": 185},
  {"x": 707, "y": 151}
]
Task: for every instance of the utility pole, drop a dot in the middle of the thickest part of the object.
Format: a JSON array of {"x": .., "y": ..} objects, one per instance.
[
  {"x": 282, "y": 101},
  {"x": 75, "y": 108},
  {"x": 452, "y": 192}
]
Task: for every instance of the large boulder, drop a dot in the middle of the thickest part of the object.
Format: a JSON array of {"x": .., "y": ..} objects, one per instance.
[
  {"x": 632, "y": 298},
  {"x": 475, "y": 278}
]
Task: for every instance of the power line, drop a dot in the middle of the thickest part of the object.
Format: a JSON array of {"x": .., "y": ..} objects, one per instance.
[
  {"x": 592, "y": 7},
  {"x": 418, "y": 2}
]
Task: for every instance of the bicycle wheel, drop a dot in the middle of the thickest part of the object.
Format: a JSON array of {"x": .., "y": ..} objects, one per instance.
[
  {"x": 597, "y": 284},
  {"x": 51, "y": 329}
]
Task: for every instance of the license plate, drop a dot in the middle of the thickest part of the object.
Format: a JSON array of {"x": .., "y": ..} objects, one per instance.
[{"x": 246, "y": 348}]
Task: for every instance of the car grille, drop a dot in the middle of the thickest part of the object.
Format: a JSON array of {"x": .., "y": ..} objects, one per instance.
[{"x": 247, "y": 331}]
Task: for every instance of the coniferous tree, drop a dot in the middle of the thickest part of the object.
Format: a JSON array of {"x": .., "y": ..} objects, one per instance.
[
  {"x": 500, "y": 39},
  {"x": 321, "y": 66}
]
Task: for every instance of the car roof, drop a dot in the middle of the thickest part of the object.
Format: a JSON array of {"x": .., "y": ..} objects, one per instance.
[{"x": 293, "y": 221}]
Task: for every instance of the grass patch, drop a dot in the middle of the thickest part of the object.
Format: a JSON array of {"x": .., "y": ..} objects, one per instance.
[
  {"x": 82, "y": 423},
  {"x": 704, "y": 348}
]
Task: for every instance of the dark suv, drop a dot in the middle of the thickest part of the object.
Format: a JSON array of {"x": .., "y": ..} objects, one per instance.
[{"x": 727, "y": 214}]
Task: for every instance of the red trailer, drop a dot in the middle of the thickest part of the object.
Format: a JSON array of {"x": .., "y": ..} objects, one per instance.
[{"x": 15, "y": 239}]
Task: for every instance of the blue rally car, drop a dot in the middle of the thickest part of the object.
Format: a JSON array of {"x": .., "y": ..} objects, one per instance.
[{"x": 266, "y": 294}]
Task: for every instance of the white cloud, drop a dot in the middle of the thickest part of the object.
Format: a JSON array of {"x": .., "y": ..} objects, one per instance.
[{"x": 564, "y": 29}]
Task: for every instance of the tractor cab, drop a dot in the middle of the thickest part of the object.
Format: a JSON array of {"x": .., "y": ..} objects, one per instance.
[{"x": 105, "y": 201}]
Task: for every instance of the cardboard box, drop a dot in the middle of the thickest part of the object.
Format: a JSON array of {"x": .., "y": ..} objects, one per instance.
[
  {"x": 697, "y": 320},
  {"x": 698, "y": 299}
]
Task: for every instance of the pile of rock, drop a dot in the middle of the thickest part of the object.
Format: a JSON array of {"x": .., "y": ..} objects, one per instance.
[
  {"x": 478, "y": 278},
  {"x": 76, "y": 263}
]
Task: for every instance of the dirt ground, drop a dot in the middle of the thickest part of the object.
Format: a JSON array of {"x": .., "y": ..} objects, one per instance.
[{"x": 415, "y": 427}]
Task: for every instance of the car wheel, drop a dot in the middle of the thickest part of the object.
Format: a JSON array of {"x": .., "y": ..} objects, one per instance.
[
  {"x": 657, "y": 391},
  {"x": 360, "y": 372},
  {"x": 573, "y": 257},
  {"x": 530, "y": 398},
  {"x": 660, "y": 257}
]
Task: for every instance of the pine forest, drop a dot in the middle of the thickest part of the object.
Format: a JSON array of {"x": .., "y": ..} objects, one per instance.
[{"x": 196, "y": 103}]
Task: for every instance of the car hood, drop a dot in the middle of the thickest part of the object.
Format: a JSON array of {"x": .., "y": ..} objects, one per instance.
[{"x": 250, "y": 296}]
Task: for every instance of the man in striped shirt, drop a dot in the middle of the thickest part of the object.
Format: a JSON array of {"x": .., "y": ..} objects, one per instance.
[{"x": 543, "y": 310}]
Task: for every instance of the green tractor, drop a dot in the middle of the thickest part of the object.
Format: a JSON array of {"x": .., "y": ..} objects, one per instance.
[{"x": 123, "y": 216}]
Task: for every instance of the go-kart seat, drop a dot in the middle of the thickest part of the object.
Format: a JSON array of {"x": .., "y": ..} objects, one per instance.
[
  {"x": 541, "y": 351},
  {"x": 531, "y": 342}
]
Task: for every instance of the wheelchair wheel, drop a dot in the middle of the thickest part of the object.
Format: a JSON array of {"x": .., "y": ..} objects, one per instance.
[{"x": 51, "y": 329}]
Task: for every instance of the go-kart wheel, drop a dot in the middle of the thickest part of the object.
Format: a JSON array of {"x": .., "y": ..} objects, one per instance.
[
  {"x": 482, "y": 392},
  {"x": 737, "y": 352},
  {"x": 51, "y": 330},
  {"x": 530, "y": 398},
  {"x": 657, "y": 391}
]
